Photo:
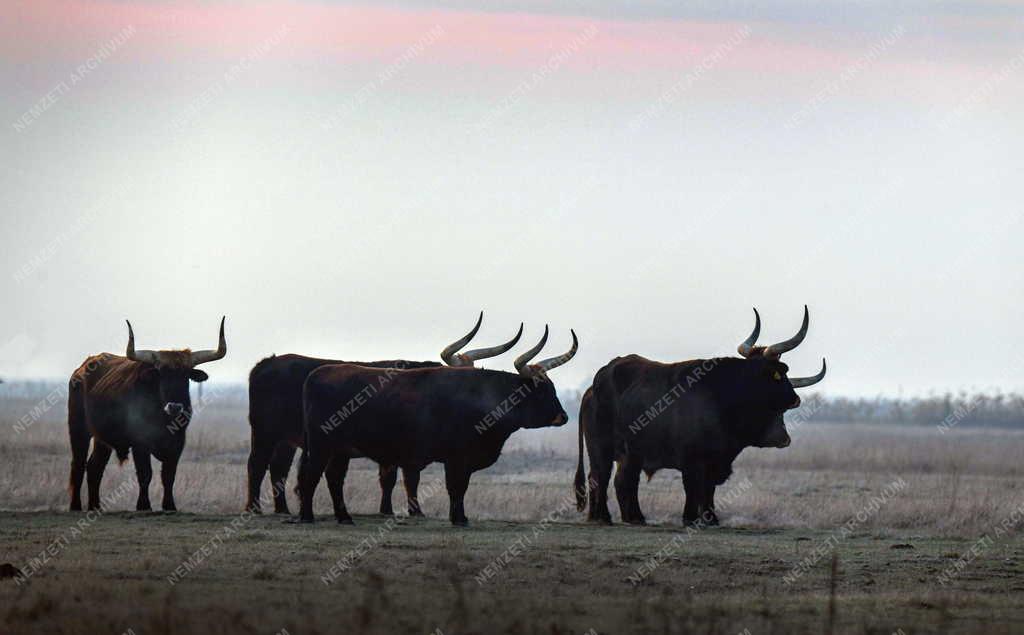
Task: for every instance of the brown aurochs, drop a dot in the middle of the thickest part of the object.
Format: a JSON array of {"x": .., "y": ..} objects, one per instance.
[{"x": 140, "y": 403}]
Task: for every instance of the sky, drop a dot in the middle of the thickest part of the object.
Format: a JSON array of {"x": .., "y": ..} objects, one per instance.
[{"x": 357, "y": 181}]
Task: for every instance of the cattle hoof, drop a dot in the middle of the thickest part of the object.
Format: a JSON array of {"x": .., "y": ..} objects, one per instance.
[
  {"x": 639, "y": 522},
  {"x": 347, "y": 520},
  {"x": 415, "y": 513},
  {"x": 460, "y": 523},
  {"x": 297, "y": 520},
  {"x": 282, "y": 512}
]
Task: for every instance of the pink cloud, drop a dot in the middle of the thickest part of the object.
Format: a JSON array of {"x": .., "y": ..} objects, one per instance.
[{"x": 69, "y": 30}]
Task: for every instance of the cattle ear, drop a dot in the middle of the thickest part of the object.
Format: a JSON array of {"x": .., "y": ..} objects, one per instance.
[{"x": 197, "y": 375}]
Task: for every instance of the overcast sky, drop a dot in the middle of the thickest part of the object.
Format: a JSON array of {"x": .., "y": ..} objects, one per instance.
[{"x": 358, "y": 181}]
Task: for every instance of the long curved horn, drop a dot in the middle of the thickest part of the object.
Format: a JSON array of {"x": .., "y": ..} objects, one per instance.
[
  {"x": 525, "y": 358},
  {"x": 554, "y": 362},
  {"x": 803, "y": 382},
  {"x": 201, "y": 357},
  {"x": 490, "y": 351},
  {"x": 449, "y": 351},
  {"x": 747, "y": 346},
  {"x": 776, "y": 350},
  {"x": 146, "y": 357}
]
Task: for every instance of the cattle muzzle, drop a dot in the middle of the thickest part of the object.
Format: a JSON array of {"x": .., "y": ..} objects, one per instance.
[
  {"x": 173, "y": 408},
  {"x": 775, "y": 435}
]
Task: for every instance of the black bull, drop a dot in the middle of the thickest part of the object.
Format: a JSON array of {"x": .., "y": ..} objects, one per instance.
[
  {"x": 460, "y": 417},
  {"x": 694, "y": 416},
  {"x": 275, "y": 416}
]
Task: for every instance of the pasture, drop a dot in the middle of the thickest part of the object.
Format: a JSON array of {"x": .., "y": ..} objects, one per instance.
[{"x": 922, "y": 524}]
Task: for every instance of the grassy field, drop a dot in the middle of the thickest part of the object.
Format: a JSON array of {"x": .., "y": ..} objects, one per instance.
[
  {"x": 923, "y": 525},
  {"x": 417, "y": 576}
]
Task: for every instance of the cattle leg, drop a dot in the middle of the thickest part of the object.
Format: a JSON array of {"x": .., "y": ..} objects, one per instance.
[
  {"x": 456, "y": 479},
  {"x": 411, "y": 481},
  {"x": 168, "y": 469},
  {"x": 709, "y": 503},
  {"x": 627, "y": 490},
  {"x": 259, "y": 459},
  {"x": 600, "y": 477},
  {"x": 280, "y": 464},
  {"x": 310, "y": 471},
  {"x": 694, "y": 484},
  {"x": 144, "y": 473},
  {"x": 600, "y": 455},
  {"x": 388, "y": 475},
  {"x": 94, "y": 471},
  {"x": 337, "y": 468},
  {"x": 79, "y": 454}
]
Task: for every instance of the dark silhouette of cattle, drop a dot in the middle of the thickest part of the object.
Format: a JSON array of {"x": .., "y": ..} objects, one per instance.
[
  {"x": 138, "y": 403},
  {"x": 457, "y": 416},
  {"x": 694, "y": 416},
  {"x": 275, "y": 417}
]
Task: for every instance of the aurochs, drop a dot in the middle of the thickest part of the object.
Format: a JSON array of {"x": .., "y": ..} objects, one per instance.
[
  {"x": 275, "y": 416},
  {"x": 694, "y": 416},
  {"x": 139, "y": 402},
  {"x": 411, "y": 418}
]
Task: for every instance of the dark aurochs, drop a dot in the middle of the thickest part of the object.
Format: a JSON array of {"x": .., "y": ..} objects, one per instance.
[
  {"x": 139, "y": 402},
  {"x": 460, "y": 417},
  {"x": 275, "y": 417},
  {"x": 694, "y": 416}
]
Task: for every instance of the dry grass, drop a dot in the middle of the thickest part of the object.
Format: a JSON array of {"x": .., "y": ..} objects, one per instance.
[
  {"x": 958, "y": 483},
  {"x": 419, "y": 575}
]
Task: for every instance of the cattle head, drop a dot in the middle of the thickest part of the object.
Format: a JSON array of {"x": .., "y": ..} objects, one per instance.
[
  {"x": 761, "y": 395},
  {"x": 545, "y": 409},
  {"x": 452, "y": 357},
  {"x": 768, "y": 391},
  {"x": 170, "y": 371}
]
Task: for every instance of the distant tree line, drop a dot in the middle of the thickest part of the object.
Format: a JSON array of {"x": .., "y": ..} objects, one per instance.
[
  {"x": 1004, "y": 410},
  {"x": 948, "y": 410}
]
